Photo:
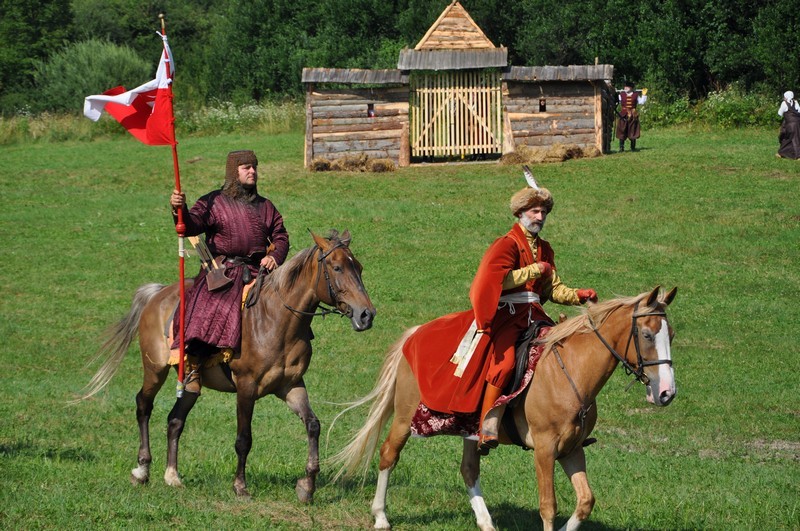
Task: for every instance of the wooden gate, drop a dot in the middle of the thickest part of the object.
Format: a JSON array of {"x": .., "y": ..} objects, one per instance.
[{"x": 455, "y": 113}]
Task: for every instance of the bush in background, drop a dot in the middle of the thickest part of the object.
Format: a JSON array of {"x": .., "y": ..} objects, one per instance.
[
  {"x": 225, "y": 117},
  {"x": 728, "y": 107},
  {"x": 85, "y": 68}
]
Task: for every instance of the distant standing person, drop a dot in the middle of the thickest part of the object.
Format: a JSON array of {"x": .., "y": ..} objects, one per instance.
[
  {"x": 789, "y": 136},
  {"x": 628, "y": 115}
]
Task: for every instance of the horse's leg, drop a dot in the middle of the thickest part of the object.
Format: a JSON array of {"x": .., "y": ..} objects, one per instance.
[
  {"x": 545, "y": 468},
  {"x": 574, "y": 466},
  {"x": 155, "y": 372},
  {"x": 471, "y": 472},
  {"x": 245, "y": 403},
  {"x": 297, "y": 400},
  {"x": 405, "y": 404},
  {"x": 144, "y": 408},
  {"x": 175, "y": 424}
]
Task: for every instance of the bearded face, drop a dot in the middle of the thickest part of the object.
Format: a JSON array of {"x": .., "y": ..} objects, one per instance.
[
  {"x": 241, "y": 176},
  {"x": 533, "y": 219}
]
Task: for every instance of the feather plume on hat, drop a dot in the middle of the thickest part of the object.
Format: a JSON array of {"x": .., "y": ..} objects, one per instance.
[{"x": 530, "y": 196}]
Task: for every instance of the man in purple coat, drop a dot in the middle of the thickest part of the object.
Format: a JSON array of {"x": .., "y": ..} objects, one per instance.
[{"x": 239, "y": 225}]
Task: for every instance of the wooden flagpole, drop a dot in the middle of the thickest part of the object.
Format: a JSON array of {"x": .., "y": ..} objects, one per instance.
[{"x": 180, "y": 228}]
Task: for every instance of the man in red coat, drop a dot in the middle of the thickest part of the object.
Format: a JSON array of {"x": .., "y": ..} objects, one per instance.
[{"x": 516, "y": 276}]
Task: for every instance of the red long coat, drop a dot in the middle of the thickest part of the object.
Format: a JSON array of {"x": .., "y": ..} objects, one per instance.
[{"x": 430, "y": 348}]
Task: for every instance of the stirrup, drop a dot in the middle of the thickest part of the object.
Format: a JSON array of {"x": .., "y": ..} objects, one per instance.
[{"x": 487, "y": 443}]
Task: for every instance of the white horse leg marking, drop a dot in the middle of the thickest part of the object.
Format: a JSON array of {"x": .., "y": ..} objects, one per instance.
[
  {"x": 572, "y": 524},
  {"x": 482, "y": 516},
  {"x": 379, "y": 501},
  {"x": 141, "y": 474}
]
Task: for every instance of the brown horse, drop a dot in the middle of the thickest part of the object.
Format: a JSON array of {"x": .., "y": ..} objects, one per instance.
[
  {"x": 555, "y": 414},
  {"x": 275, "y": 352}
]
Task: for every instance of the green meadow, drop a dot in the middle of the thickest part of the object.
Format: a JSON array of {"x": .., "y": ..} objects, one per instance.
[{"x": 713, "y": 212}]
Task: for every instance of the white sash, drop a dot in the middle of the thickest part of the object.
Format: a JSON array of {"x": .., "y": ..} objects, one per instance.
[{"x": 466, "y": 348}]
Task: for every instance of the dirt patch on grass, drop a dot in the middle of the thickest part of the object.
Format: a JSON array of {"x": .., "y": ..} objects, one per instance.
[{"x": 777, "y": 449}]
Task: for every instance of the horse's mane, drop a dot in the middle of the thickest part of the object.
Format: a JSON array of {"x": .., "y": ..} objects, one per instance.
[
  {"x": 287, "y": 274},
  {"x": 597, "y": 312}
]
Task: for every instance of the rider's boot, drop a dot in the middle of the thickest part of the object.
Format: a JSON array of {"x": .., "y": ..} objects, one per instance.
[
  {"x": 621, "y": 146},
  {"x": 633, "y": 145},
  {"x": 490, "y": 419}
]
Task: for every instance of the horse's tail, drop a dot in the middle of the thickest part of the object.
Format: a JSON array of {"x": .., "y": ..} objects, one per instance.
[
  {"x": 356, "y": 456},
  {"x": 117, "y": 339}
]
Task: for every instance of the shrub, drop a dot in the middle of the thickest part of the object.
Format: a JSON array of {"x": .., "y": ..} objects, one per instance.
[
  {"x": 732, "y": 107},
  {"x": 226, "y": 117},
  {"x": 86, "y": 68}
]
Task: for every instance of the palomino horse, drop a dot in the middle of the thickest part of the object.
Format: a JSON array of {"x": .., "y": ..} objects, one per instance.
[
  {"x": 555, "y": 414},
  {"x": 275, "y": 353}
]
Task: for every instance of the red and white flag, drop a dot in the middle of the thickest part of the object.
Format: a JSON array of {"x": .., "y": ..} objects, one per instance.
[{"x": 146, "y": 111}]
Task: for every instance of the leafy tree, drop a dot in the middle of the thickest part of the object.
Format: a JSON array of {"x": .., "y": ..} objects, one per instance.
[
  {"x": 29, "y": 31},
  {"x": 773, "y": 45}
]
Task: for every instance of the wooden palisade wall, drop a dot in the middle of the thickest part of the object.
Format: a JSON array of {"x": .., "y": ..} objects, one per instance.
[{"x": 338, "y": 122}]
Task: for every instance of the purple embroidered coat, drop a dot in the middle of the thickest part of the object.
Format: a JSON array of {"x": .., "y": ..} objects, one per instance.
[{"x": 232, "y": 229}]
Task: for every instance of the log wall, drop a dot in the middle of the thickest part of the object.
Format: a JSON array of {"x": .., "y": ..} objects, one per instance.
[
  {"x": 338, "y": 122},
  {"x": 572, "y": 114}
]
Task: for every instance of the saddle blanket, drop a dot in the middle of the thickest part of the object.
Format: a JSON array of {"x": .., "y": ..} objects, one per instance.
[{"x": 427, "y": 423}]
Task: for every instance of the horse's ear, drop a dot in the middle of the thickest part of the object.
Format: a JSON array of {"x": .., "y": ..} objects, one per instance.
[
  {"x": 652, "y": 299},
  {"x": 669, "y": 296},
  {"x": 321, "y": 242},
  {"x": 345, "y": 238}
]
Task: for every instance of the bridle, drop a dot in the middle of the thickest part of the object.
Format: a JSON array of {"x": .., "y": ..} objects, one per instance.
[
  {"x": 322, "y": 269},
  {"x": 638, "y": 371}
]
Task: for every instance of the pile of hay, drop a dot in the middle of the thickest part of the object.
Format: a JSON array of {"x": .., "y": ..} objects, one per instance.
[
  {"x": 320, "y": 164},
  {"x": 556, "y": 153},
  {"x": 380, "y": 165},
  {"x": 352, "y": 163}
]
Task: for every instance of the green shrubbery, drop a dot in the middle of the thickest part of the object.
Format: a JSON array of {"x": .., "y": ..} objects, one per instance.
[
  {"x": 731, "y": 107},
  {"x": 84, "y": 68},
  {"x": 267, "y": 118},
  {"x": 227, "y": 117}
]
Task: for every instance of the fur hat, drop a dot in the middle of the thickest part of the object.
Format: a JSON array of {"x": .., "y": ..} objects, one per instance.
[
  {"x": 529, "y": 198},
  {"x": 236, "y": 159}
]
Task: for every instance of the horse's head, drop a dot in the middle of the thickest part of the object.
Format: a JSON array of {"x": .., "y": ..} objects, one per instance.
[
  {"x": 652, "y": 336},
  {"x": 339, "y": 280}
]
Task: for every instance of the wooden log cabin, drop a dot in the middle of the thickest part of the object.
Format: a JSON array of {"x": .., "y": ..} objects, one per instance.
[{"x": 454, "y": 97}]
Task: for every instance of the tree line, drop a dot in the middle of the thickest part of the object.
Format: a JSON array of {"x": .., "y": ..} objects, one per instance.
[{"x": 55, "y": 52}]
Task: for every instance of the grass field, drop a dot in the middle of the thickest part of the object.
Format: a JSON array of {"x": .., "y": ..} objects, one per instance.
[{"x": 713, "y": 212}]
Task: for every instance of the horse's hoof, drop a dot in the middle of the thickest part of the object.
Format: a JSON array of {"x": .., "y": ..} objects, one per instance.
[
  {"x": 172, "y": 479},
  {"x": 242, "y": 493},
  {"x": 382, "y": 523},
  {"x": 304, "y": 490},
  {"x": 135, "y": 481}
]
